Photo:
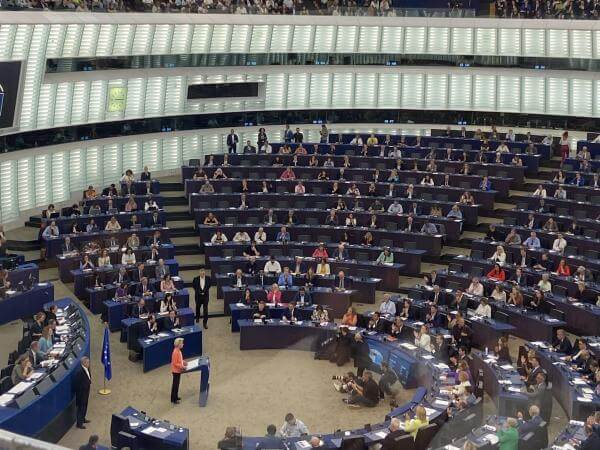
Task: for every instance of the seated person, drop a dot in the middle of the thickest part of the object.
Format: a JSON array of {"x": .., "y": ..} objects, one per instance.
[
  {"x": 274, "y": 295},
  {"x": 285, "y": 278},
  {"x": 385, "y": 257},
  {"x": 323, "y": 267},
  {"x": 350, "y": 317},
  {"x": 272, "y": 266},
  {"x": 261, "y": 311},
  {"x": 320, "y": 315},
  {"x": 303, "y": 297},
  {"x": 167, "y": 303},
  {"x": 210, "y": 219},
  {"x": 144, "y": 288},
  {"x": 420, "y": 420},
  {"x": 167, "y": 284},
  {"x": 241, "y": 236},
  {"x": 364, "y": 392},
  {"x": 219, "y": 238}
]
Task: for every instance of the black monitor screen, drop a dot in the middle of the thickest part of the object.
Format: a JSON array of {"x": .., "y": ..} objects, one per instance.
[
  {"x": 10, "y": 73},
  {"x": 222, "y": 90}
]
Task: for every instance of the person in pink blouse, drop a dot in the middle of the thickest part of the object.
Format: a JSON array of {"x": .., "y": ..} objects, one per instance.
[
  {"x": 288, "y": 174},
  {"x": 274, "y": 295},
  {"x": 320, "y": 252}
]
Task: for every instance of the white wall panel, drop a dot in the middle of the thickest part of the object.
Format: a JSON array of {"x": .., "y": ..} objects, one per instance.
[
  {"x": 462, "y": 41},
  {"x": 436, "y": 92},
  {"x": 460, "y": 92},
  {"x": 389, "y": 90},
  {"x": 533, "y": 94},
  {"x": 509, "y": 41},
  {"x": 581, "y": 96},
  {"x": 412, "y": 90},
  {"x": 484, "y": 92},
  {"x": 392, "y": 40},
  {"x": 366, "y": 90}
]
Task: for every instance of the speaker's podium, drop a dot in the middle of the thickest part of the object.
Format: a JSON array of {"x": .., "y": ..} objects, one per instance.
[{"x": 202, "y": 365}]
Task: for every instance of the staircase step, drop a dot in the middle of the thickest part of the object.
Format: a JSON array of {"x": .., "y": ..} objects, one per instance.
[
  {"x": 182, "y": 232},
  {"x": 178, "y": 216},
  {"x": 187, "y": 249},
  {"x": 167, "y": 187},
  {"x": 175, "y": 201}
]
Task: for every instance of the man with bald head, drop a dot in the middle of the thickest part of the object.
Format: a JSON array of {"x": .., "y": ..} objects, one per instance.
[{"x": 389, "y": 443}]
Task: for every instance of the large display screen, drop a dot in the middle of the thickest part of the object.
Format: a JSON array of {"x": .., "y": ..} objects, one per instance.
[
  {"x": 10, "y": 74},
  {"x": 222, "y": 90}
]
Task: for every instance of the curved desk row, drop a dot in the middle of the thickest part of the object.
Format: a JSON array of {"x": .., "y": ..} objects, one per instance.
[
  {"x": 54, "y": 244},
  {"x": 322, "y": 191},
  {"x": 71, "y": 261},
  {"x": 580, "y": 317},
  {"x": 450, "y": 228},
  {"x": 259, "y": 200},
  {"x": 486, "y": 331},
  {"x": 521, "y": 216},
  {"x": 358, "y": 175},
  {"x": 46, "y": 411},
  {"x": 546, "y": 238},
  {"x": 382, "y": 276},
  {"x": 513, "y": 255},
  {"x": 413, "y": 367},
  {"x": 117, "y": 310},
  {"x": 25, "y": 304},
  {"x": 120, "y": 201},
  {"x": 410, "y": 258},
  {"x": 431, "y": 243},
  {"x": 384, "y": 157},
  {"x": 337, "y": 300},
  {"x": 575, "y": 394},
  {"x": 65, "y": 224},
  {"x": 565, "y": 207},
  {"x": 84, "y": 278}
]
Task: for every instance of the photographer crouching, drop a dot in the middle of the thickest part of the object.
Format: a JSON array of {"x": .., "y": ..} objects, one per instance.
[{"x": 364, "y": 391}]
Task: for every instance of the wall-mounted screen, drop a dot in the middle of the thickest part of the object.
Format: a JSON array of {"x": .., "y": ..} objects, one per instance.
[
  {"x": 223, "y": 90},
  {"x": 10, "y": 74}
]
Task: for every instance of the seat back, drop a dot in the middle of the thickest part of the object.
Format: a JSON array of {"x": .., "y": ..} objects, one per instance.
[
  {"x": 118, "y": 424},
  {"x": 353, "y": 443},
  {"x": 425, "y": 435},
  {"x": 404, "y": 442},
  {"x": 5, "y": 384},
  {"x": 127, "y": 440}
]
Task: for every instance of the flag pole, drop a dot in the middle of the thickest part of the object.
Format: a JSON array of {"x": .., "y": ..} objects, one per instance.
[
  {"x": 106, "y": 343},
  {"x": 104, "y": 390}
]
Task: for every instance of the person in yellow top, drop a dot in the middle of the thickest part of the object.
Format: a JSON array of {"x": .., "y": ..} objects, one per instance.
[
  {"x": 412, "y": 426},
  {"x": 372, "y": 140}
]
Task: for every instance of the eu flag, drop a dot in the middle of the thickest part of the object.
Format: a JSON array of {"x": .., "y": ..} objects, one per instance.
[{"x": 106, "y": 356}]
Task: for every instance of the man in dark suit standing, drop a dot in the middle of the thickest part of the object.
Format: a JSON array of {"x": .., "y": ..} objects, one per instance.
[
  {"x": 527, "y": 426},
  {"x": 83, "y": 381},
  {"x": 201, "y": 285},
  {"x": 232, "y": 141}
]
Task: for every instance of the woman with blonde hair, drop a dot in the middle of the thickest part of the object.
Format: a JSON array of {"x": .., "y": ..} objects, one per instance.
[{"x": 412, "y": 426}]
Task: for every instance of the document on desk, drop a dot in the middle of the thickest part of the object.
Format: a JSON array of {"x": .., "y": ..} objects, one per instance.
[
  {"x": 491, "y": 438},
  {"x": 20, "y": 387},
  {"x": 430, "y": 411},
  {"x": 192, "y": 364},
  {"x": 302, "y": 444},
  {"x": 408, "y": 346},
  {"x": 5, "y": 399}
]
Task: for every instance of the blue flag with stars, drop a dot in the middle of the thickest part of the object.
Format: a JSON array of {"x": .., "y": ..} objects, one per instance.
[{"x": 106, "y": 355}]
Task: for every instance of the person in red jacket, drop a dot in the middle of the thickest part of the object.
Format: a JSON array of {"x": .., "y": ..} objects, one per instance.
[
  {"x": 178, "y": 365},
  {"x": 320, "y": 252},
  {"x": 497, "y": 274},
  {"x": 563, "y": 269}
]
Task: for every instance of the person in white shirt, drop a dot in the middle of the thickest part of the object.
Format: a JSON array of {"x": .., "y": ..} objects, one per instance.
[
  {"x": 422, "y": 338},
  {"x": 540, "y": 192},
  {"x": 560, "y": 193},
  {"x": 387, "y": 306},
  {"x": 475, "y": 288},
  {"x": 241, "y": 236},
  {"x": 544, "y": 284},
  {"x": 272, "y": 266},
  {"x": 260, "y": 236},
  {"x": 357, "y": 140},
  {"x": 104, "y": 259},
  {"x": 502, "y": 148},
  {"x": 499, "y": 255},
  {"x": 112, "y": 224},
  {"x": 499, "y": 294},
  {"x": 483, "y": 309},
  {"x": 510, "y": 136},
  {"x": 547, "y": 140},
  {"x": 559, "y": 244},
  {"x": 151, "y": 205},
  {"x": 128, "y": 258},
  {"x": 395, "y": 208},
  {"x": 266, "y": 148},
  {"x": 596, "y": 140},
  {"x": 219, "y": 238},
  {"x": 427, "y": 181},
  {"x": 299, "y": 189}
]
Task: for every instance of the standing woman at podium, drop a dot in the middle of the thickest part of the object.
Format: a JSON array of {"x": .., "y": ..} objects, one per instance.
[{"x": 177, "y": 367}]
